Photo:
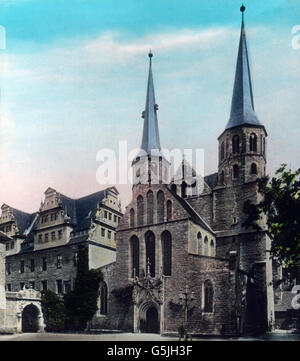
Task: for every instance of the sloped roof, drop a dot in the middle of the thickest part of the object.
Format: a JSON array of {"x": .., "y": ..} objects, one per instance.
[
  {"x": 23, "y": 219},
  {"x": 190, "y": 210},
  {"x": 211, "y": 180}
]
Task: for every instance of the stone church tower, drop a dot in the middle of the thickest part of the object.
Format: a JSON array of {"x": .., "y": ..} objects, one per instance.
[{"x": 175, "y": 245}]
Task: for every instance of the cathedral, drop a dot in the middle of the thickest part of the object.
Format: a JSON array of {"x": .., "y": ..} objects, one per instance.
[
  {"x": 179, "y": 258},
  {"x": 183, "y": 257}
]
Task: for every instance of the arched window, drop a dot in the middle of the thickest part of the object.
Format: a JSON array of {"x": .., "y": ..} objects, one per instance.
[
  {"x": 134, "y": 256},
  {"x": 150, "y": 252},
  {"x": 140, "y": 210},
  {"x": 183, "y": 189},
  {"x": 166, "y": 240},
  {"x": 253, "y": 142},
  {"x": 205, "y": 253},
  {"x": 208, "y": 297},
  {"x": 222, "y": 151},
  {"x": 131, "y": 216},
  {"x": 253, "y": 168},
  {"x": 199, "y": 243},
  {"x": 160, "y": 206},
  {"x": 169, "y": 210},
  {"x": 150, "y": 207},
  {"x": 235, "y": 171},
  {"x": 212, "y": 248},
  {"x": 103, "y": 299},
  {"x": 235, "y": 144}
]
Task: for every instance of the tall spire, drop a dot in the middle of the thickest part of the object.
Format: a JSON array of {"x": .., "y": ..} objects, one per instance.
[
  {"x": 150, "y": 133},
  {"x": 242, "y": 106}
]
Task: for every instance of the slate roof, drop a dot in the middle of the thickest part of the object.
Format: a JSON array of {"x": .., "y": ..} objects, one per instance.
[
  {"x": 23, "y": 219},
  {"x": 242, "y": 106},
  {"x": 212, "y": 180}
]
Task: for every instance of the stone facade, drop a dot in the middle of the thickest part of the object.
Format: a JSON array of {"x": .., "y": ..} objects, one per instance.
[{"x": 42, "y": 250}]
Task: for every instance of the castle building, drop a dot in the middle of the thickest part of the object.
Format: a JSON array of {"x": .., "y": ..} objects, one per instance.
[
  {"x": 183, "y": 257},
  {"x": 42, "y": 248}
]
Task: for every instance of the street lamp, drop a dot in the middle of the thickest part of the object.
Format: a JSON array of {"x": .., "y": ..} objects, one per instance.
[{"x": 185, "y": 299}]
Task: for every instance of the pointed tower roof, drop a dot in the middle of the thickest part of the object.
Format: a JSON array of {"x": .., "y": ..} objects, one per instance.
[
  {"x": 242, "y": 106},
  {"x": 150, "y": 133}
]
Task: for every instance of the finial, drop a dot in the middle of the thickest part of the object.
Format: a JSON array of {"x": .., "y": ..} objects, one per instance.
[
  {"x": 150, "y": 54},
  {"x": 242, "y": 8}
]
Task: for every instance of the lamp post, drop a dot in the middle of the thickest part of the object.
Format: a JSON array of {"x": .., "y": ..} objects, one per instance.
[{"x": 185, "y": 299}]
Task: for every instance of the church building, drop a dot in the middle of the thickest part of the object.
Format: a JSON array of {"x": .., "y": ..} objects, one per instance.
[{"x": 183, "y": 258}]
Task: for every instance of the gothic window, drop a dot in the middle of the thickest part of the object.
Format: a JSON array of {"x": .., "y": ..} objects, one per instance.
[
  {"x": 150, "y": 207},
  {"x": 131, "y": 216},
  {"x": 199, "y": 243},
  {"x": 169, "y": 210},
  {"x": 235, "y": 144},
  {"x": 135, "y": 256},
  {"x": 167, "y": 253},
  {"x": 212, "y": 248},
  {"x": 103, "y": 299},
  {"x": 208, "y": 297},
  {"x": 253, "y": 142},
  {"x": 253, "y": 168},
  {"x": 205, "y": 253},
  {"x": 235, "y": 171},
  {"x": 140, "y": 210},
  {"x": 160, "y": 206},
  {"x": 150, "y": 252},
  {"x": 222, "y": 151}
]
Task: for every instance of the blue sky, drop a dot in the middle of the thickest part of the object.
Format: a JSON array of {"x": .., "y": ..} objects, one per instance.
[{"x": 73, "y": 81}]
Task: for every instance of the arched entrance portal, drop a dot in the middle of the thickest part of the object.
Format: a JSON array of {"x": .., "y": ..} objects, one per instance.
[
  {"x": 152, "y": 322},
  {"x": 149, "y": 320},
  {"x": 30, "y": 319}
]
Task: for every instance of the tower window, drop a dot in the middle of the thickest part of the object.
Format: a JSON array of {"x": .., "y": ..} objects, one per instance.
[
  {"x": 236, "y": 144},
  {"x": 150, "y": 207},
  {"x": 235, "y": 171},
  {"x": 160, "y": 206},
  {"x": 140, "y": 210},
  {"x": 253, "y": 142},
  {"x": 222, "y": 151},
  {"x": 131, "y": 216},
  {"x": 253, "y": 168}
]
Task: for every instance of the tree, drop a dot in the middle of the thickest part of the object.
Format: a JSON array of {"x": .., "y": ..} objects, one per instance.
[
  {"x": 280, "y": 206},
  {"x": 54, "y": 312},
  {"x": 81, "y": 303}
]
